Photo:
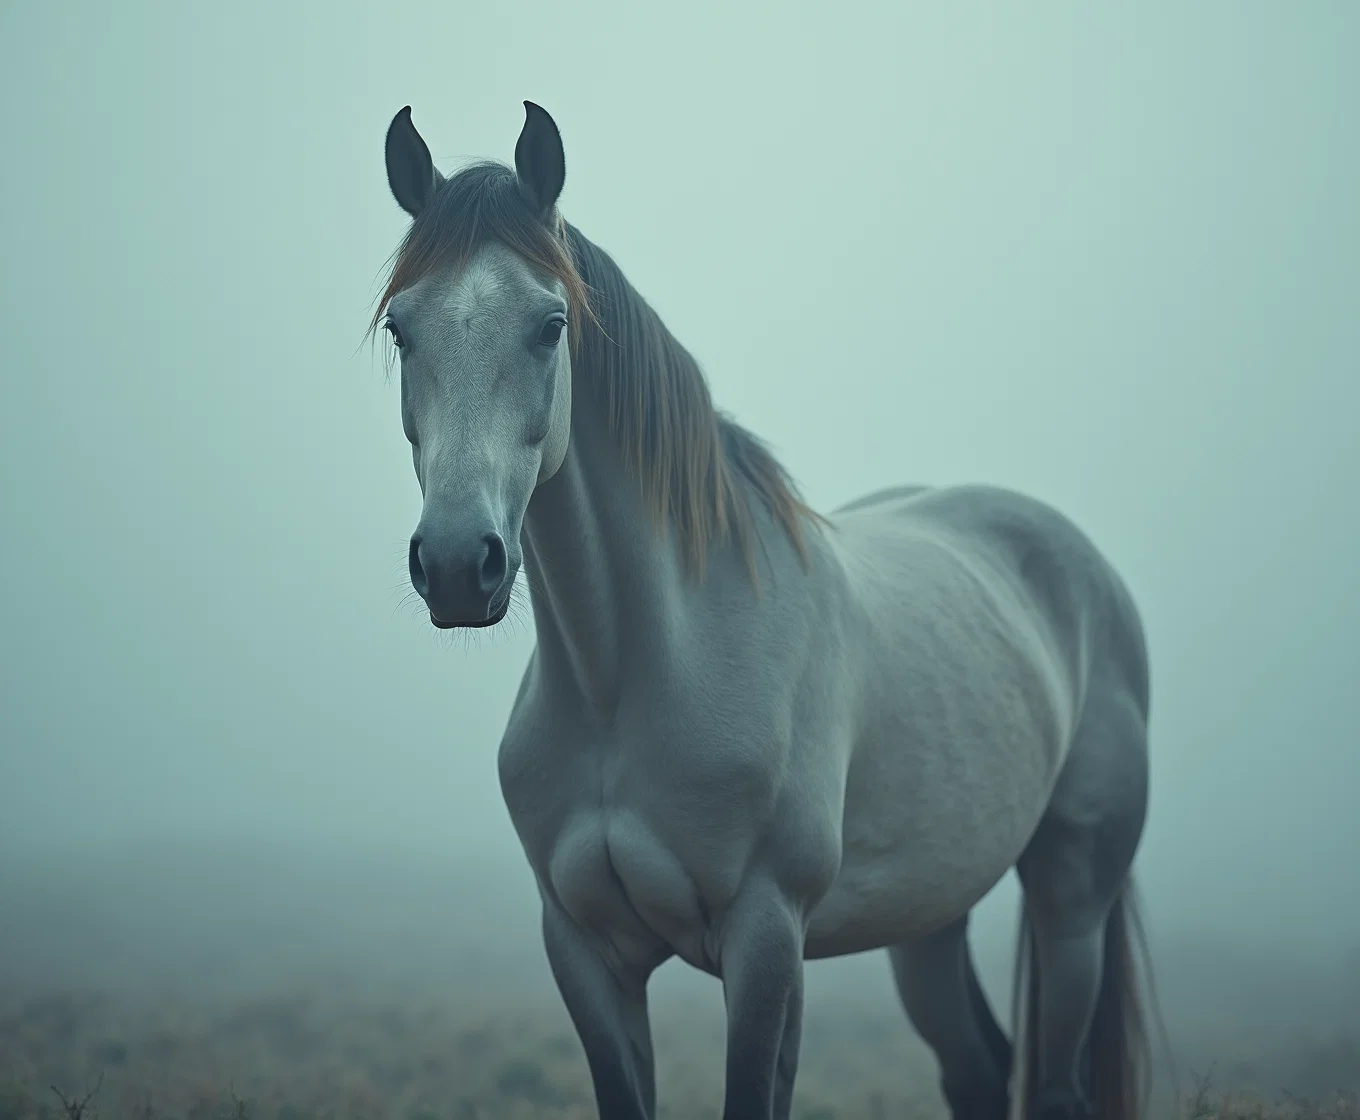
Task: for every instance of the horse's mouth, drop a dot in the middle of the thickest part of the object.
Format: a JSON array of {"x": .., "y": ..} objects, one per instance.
[{"x": 496, "y": 616}]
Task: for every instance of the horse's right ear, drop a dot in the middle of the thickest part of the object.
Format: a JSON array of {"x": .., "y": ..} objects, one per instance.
[{"x": 410, "y": 172}]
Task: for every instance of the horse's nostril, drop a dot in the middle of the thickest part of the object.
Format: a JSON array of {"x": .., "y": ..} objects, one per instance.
[
  {"x": 493, "y": 564},
  {"x": 417, "y": 570}
]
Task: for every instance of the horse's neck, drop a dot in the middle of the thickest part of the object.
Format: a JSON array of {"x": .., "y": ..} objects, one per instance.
[{"x": 601, "y": 573}]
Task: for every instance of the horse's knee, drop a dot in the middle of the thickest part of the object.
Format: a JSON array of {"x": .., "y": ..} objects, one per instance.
[
  {"x": 1094, "y": 820},
  {"x": 1073, "y": 870}
]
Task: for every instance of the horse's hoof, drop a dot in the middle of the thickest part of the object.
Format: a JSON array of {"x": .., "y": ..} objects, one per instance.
[
  {"x": 1059, "y": 1104},
  {"x": 974, "y": 1103}
]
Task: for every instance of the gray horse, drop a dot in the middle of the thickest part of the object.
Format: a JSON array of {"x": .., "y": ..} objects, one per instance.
[{"x": 750, "y": 734}]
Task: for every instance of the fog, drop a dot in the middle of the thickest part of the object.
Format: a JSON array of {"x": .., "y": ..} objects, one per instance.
[{"x": 1108, "y": 257}]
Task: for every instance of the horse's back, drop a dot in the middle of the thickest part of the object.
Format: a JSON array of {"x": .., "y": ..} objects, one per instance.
[
  {"x": 1015, "y": 546},
  {"x": 927, "y": 559}
]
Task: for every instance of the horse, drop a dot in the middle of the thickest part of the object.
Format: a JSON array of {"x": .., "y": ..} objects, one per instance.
[{"x": 750, "y": 734}]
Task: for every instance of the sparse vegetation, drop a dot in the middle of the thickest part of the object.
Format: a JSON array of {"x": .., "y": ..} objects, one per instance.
[{"x": 65, "y": 1056}]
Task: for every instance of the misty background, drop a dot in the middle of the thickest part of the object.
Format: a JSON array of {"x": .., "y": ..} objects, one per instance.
[{"x": 1108, "y": 257}]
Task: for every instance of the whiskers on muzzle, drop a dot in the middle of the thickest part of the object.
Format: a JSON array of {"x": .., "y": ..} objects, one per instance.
[
  {"x": 514, "y": 608},
  {"x": 464, "y": 578}
]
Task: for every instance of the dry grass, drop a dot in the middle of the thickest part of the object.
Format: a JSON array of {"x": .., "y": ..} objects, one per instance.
[
  {"x": 1203, "y": 1104},
  {"x": 65, "y": 1056}
]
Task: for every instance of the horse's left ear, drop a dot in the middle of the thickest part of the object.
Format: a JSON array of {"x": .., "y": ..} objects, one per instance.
[
  {"x": 411, "y": 173},
  {"x": 539, "y": 163}
]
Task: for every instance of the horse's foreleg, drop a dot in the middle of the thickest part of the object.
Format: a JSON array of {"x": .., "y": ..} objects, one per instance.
[
  {"x": 786, "y": 1068},
  {"x": 762, "y": 971},
  {"x": 608, "y": 1005}
]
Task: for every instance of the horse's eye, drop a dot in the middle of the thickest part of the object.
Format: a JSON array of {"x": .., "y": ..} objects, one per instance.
[
  {"x": 552, "y": 332},
  {"x": 391, "y": 328}
]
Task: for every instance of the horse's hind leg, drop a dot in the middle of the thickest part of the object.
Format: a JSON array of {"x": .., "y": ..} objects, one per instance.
[
  {"x": 1075, "y": 872},
  {"x": 946, "y": 1005}
]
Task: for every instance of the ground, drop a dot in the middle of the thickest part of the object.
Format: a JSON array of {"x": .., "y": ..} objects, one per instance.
[
  {"x": 247, "y": 984},
  {"x": 304, "y": 1055}
]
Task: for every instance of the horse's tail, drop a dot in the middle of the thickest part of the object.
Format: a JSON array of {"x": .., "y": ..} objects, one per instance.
[
  {"x": 1117, "y": 1046},
  {"x": 1024, "y": 1019}
]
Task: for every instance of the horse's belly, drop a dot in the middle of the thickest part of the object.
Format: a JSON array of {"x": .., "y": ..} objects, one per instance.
[
  {"x": 876, "y": 902},
  {"x": 923, "y": 841}
]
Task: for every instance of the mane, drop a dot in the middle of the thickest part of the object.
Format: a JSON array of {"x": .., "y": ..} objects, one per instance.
[{"x": 700, "y": 471}]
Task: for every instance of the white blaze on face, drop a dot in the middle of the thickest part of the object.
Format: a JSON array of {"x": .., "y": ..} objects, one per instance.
[{"x": 486, "y": 397}]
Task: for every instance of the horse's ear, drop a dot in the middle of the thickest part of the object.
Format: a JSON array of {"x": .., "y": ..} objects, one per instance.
[
  {"x": 410, "y": 172},
  {"x": 539, "y": 164}
]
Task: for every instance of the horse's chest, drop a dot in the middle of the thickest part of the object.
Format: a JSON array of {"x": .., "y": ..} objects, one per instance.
[
  {"x": 639, "y": 860},
  {"x": 613, "y": 872}
]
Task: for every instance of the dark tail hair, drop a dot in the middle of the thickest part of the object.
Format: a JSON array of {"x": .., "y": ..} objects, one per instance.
[{"x": 1117, "y": 1047}]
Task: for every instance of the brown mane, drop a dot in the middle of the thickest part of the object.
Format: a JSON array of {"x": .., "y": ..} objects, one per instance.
[{"x": 700, "y": 471}]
